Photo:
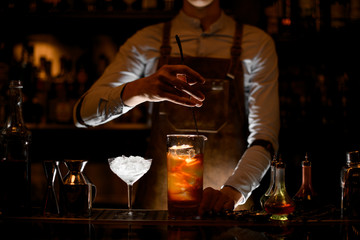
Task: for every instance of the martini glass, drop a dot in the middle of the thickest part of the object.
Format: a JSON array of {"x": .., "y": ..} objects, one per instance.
[{"x": 129, "y": 169}]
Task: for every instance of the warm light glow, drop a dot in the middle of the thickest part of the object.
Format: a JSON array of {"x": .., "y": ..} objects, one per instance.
[
  {"x": 49, "y": 47},
  {"x": 286, "y": 21},
  {"x": 72, "y": 180}
]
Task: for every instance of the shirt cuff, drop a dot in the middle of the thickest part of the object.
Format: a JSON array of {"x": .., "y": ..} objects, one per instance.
[
  {"x": 249, "y": 171},
  {"x": 125, "y": 108},
  {"x": 116, "y": 105}
]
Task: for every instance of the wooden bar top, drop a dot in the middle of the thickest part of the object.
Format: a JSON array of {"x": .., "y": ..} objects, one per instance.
[{"x": 154, "y": 224}]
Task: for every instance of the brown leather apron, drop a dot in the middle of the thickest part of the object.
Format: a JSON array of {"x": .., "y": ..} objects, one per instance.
[{"x": 221, "y": 119}]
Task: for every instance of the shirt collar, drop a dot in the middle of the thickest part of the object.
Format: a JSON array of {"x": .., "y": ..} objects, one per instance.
[{"x": 195, "y": 23}]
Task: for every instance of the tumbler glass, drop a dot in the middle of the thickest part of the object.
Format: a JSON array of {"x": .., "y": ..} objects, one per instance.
[{"x": 185, "y": 156}]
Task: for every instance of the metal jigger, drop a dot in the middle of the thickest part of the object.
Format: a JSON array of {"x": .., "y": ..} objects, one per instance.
[{"x": 50, "y": 205}]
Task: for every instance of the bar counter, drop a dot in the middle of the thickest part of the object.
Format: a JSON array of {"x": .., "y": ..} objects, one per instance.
[{"x": 153, "y": 224}]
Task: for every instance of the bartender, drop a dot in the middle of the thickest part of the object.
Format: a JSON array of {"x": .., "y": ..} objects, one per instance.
[{"x": 229, "y": 78}]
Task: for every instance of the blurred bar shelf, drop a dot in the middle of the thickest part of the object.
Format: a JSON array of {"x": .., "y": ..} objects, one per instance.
[
  {"x": 85, "y": 22},
  {"x": 108, "y": 126}
]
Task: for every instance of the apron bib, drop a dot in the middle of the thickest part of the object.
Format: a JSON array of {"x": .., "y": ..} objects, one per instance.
[{"x": 221, "y": 119}]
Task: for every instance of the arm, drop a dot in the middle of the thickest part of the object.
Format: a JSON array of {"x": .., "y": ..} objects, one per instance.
[
  {"x": 102, "y": 102},
  {"x": 122, "y": 86},
  {"x": 264, "y": 123}
]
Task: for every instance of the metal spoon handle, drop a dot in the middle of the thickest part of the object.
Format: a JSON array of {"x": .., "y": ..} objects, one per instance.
[{"x": 182, "y": 62}]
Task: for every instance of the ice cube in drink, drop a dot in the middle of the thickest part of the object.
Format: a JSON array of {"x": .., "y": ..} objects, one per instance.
[{"x": 185, "y": 180}]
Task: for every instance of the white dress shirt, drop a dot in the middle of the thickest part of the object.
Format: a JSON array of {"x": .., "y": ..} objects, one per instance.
[{"x": 139, "y": 55}]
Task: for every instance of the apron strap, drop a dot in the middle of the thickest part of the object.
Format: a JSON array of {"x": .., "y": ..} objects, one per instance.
[
  {"x": 235, "y": 72},
  {"x": 165, "y": 48},
  {"x": 234, "y": 68}
]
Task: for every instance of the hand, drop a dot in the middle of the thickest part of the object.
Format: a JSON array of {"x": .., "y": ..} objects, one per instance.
[
  {"x": 218, "y": 201},
  {"x": 165, "y": 86}
]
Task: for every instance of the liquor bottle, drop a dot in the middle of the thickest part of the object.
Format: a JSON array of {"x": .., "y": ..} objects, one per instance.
[
  {"x": 44, "y": 79},
  {"x": 26, "y": 73},
  {"x": 15, "y": 169},
  {"x": 286, "y": 24},
  {"x": 309, "y": 11},
  {"x": 350, "y": 187},
  {"x": 166, "y": 5},
  {"x": 273, "y": 12},
  {"x": 29, "y": 71},
  {"x": 271, "y": 188},
  {"x": 306, "y": 197},
  {"x": 61, "y": 104},
  {"x": 280, "y": 204},
  {"x": 5, "y": 59},
  {"x": 354, "y": 12},
  {"x": 338, "y": 13},
  {"x": 82, "y": 80},
  {"x": 148, "y": 4}
]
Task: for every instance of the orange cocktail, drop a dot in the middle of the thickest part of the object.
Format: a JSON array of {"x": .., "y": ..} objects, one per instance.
[{"x": 185, "y": 176}]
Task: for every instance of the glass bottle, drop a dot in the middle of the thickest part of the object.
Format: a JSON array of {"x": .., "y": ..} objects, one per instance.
[
  {"x": 338, "y": 13},
  {"x": 271, "y": 188},
  {"x": 280, "y": 204},
  {"x": 15, "y": 168},
  {"x": 305, "y": 198},
  {"x": 60, "y": 106},
  {"x": 350, "y": 186}
]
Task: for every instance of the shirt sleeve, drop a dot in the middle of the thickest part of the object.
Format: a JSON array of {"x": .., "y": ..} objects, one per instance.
[
  {"x": 102, "y": 102},
  {"x": 263, "y": 118}
]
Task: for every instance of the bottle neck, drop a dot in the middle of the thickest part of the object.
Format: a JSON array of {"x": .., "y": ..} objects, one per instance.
[
  {"x": 306, "y": 175},
  {"x": 272, "y": 175},
  {"x": 15, "y": 117},
  {"x": 272, "y": 180},
  {"x": 280, "y": 179}
]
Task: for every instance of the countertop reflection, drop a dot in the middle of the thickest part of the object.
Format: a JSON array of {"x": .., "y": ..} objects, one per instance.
[{"x": 152, "y": 224}]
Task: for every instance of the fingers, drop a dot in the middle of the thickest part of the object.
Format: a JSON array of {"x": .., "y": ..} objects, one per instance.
[
  {"x": 192, "y": 77},
  {"x": 181, "y": 100},
  {"x": 208, "y": 199},
  {"x": 165, "y": 85},
  {"x": 177, "y": 96},
  {"x": 215, "y": 201},
  {"x": 224, "y": 203},
  {"x": 181, "y": 75},
  {"x": 177, "y": 85}
]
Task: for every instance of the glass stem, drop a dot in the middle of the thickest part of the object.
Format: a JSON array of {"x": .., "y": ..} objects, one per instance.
[{"x": 130, "y": 187}]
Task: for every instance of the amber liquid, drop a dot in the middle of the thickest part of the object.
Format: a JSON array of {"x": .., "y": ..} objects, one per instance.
[
  {"x": 279, "y": 209},
  {"x": 185, "y": 184}
]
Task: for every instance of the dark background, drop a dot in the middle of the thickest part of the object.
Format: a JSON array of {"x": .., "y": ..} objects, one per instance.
[{"x": 317, "y": 117}]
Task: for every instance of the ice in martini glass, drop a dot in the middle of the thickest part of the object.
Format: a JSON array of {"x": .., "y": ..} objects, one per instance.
[{"x": 129, "y": 169}]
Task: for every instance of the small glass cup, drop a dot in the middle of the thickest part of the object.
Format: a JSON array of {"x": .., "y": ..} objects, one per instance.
[{"x": 185, "y": 158}]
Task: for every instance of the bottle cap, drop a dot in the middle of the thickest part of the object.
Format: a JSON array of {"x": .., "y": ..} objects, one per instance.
[
  {"x": 306, "y": 161},
  {"x": 280, "y": 163}
]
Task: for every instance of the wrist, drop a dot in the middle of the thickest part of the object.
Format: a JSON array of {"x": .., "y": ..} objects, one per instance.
[
  {"x": 231, "y": 192},
  {"x": 128, "y": 96}
]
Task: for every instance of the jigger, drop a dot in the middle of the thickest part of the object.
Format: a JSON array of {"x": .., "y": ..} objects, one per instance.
[{"x": 50, "y": 205}]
